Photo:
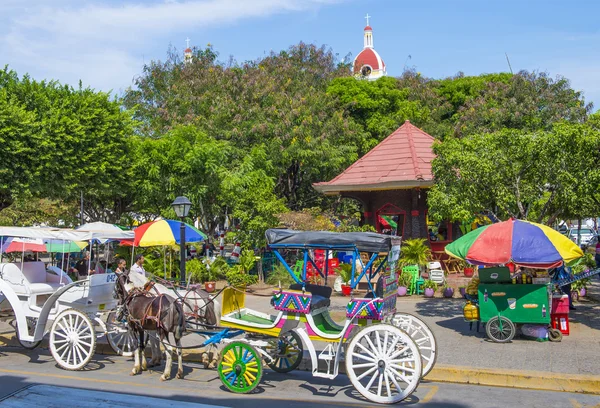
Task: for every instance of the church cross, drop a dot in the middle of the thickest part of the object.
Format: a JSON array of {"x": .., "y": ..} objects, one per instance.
[{"x": 367, "y": 17}]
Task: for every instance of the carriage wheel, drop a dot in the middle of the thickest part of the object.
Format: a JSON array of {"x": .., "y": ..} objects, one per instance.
[
  {"x": 500, "y": 329},
  {"x": 240, "y": 367},
  {"x": 29, "y": 345},
  {"x": 118, "y": 335},
  {"x": 286, "y": 351},
  {"x": 421, "y": 334},
  {"x": 72, "y": 339},
  {"x": 383, "y": 364}
]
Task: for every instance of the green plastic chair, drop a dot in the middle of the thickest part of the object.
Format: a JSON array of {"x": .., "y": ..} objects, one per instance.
[
  {"x": 414, "y": 271},
  {"x": 298, "y": 269}
]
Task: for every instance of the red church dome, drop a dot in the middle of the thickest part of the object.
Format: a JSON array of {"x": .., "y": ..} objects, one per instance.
[
  {"x": 368, "y": 28},
  {"x": 370, "y": 57}
]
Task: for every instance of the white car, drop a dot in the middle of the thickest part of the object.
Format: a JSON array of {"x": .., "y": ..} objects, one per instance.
[{"x": 585, "y": 234}]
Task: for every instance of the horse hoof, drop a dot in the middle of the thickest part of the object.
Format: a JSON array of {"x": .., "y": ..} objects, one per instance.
[
  {"x": 179, "y": 376},
  {"x": 164, "y": 378}
]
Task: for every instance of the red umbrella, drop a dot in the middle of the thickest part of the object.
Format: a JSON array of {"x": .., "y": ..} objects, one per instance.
[{"x": 25, "y": 245}]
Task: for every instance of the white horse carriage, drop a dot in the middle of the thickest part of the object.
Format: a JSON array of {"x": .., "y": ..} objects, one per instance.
[{"x": 42, "y": 301}]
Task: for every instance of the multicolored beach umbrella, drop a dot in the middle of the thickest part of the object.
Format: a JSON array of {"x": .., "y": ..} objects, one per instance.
[
  {"x": 24, "y": 245},
  {"x": 521, "y": 242},
  {"x": 165, "y": 232}
]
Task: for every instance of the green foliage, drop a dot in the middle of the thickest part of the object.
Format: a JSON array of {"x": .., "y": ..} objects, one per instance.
[
  {"x": 405, "y": 279},
  {"x": 239, "y": 275},
  {"x": 217, "y": 269},
  {"x": 196, "y": 270},
  {"x": 414, "y": 252},
  {"x": 429, "y": 284},
  {"x": 345, "y": 272},
  {"x": 280, "y": 275}
]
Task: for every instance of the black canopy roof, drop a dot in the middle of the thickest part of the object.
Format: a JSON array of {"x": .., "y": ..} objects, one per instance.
[{"x": 363, "y": 241}]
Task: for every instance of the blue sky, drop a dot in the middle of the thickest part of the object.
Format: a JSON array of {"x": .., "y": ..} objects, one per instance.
[{"x": 105, "y": 43}]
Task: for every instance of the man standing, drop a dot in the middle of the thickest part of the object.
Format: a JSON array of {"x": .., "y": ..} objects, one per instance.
[
  {"x": 83, "y": 266},
  {"x": 138, "y": 265}
]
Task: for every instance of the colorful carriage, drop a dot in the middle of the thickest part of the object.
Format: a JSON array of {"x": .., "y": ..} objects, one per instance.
[{"x": 384, "y": 361}]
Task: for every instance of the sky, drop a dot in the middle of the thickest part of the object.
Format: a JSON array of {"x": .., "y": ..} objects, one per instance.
[{"x": 105, "y": 43}]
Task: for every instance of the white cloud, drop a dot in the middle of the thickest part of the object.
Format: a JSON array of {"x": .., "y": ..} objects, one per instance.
[{"x": 102, "y": 43}]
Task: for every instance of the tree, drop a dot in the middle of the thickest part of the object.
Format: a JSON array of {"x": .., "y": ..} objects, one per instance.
[{"x": 537, "y": 176}]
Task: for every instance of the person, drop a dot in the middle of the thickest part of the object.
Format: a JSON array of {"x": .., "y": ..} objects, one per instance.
[
  {"x": 83, "y": 266},
  {"x": 559, "y": 274},
  {"x": 441, "y": 234},
  {"x": 208, "y": 248},
  {"x": 432, "y": 236},
  {"x": 138, "y": 266},
  {"x": 121, "y": 265},
  {"x": 597, "y": 257}
]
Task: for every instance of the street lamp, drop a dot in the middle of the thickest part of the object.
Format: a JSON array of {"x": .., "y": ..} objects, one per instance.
[{"x": 182, "y": 206}]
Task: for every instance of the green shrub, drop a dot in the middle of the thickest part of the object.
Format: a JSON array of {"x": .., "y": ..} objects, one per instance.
[{"x": 280, "y": 274}]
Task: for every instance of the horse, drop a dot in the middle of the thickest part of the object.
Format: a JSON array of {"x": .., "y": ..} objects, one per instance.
[
  {"x": 147, "y": 312},
  {"x": 197, "y": 305}
]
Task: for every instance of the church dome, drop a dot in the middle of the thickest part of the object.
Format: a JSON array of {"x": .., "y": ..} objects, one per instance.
[{"x": 368, "y": 57}]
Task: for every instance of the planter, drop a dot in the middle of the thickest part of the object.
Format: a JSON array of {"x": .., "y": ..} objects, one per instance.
[
  {"x": 448, "y": 292},
  {"x": 209, "y": 286},
  {"x": 582, "y": 292},
  {"x": 574, "y": 296},
  {"x": 346, "y": 290},
  {"x": 402, "y": 291},
  {"x": 428, "y": 292},
  {"x": 463, "y": 291},
  {"x": 469, "y": 272}
]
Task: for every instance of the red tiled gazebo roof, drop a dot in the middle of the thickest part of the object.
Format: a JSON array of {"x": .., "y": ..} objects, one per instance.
[{"x": 400, "y": 161}]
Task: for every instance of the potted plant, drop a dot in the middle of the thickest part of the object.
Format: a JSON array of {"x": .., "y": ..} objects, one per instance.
[
  {"x": 447, "y": 291},
  {"x": 215, "y": 270},
  {"x": 462, "y": 290},
  {"x": 404, "y": 282},
  {"x": 429, "y": 288},
  {"x": 414, "y": 252},
  {"x": 468, "y": 269},
  {"x": 579, "y": 288},
  {"x": 345, "y": 272},
  {"x": 239, "y": 275}
]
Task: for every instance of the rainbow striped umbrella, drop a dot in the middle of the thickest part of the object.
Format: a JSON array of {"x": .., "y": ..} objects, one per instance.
[
  {"x": 521, "y": 242},
  {"x": 165, "y": 232}
]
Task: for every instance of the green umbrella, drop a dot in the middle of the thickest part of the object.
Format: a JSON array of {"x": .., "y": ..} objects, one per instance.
[{"x": 60, "y": 246}]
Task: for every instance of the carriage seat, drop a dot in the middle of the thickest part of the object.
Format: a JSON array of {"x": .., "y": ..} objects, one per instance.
[
  {"x": 35, "y": 274},
  {"x": 321, "y": 295}
]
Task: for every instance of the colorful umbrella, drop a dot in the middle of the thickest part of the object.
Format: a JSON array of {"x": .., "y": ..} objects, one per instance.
[
  {"x": 60, "y": 246},
  {"x": 165, "y": 232},
  {"x": 24, "y": 245},
  {"x": 521, "y": 242}
]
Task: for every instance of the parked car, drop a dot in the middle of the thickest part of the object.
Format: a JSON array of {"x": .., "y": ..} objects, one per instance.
[
  {"x": 591, "y": 245},
  {"x": 585, "y": 235}
]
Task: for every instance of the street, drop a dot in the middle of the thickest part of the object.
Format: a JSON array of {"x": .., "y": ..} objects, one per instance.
[{"x": 21, "y": 369}]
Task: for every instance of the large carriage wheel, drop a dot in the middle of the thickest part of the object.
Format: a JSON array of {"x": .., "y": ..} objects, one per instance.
[
  {"x": 500, "y": 329},
  {"x": 286, "y": 351},
  {"x": 29, "y": 345},
  {"x": 383, "y": 364},
  {"x": 240, "y": 367},
  {"x": 118, "y": 335},
  {"x": 72, "y": 339},
  {"x": 418, "y": 330}
]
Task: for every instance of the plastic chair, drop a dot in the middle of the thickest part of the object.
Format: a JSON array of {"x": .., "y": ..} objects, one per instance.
[
  {"x": 298, "y": 269},
  {"x": 414, "y": 271},
  {"x": 437, "y": 276},
  {"x": 434, "y": 265}
]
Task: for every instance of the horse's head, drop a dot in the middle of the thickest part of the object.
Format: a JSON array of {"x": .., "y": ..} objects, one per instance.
[{"x": 121, "y": 286}]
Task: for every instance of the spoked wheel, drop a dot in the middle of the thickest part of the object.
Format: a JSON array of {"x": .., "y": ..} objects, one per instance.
[
  {"x": 29, "y": 345},
  {"x": 118, "y": 336},
  {"x": 383, "y": 364},
  {"x": 286, "y": 351},
  {"x": 240, "y": 367},
  {"x": 72, "y": 339},
  {"x": 421, "y": 334},
  {"x": 500, "y": 329}
]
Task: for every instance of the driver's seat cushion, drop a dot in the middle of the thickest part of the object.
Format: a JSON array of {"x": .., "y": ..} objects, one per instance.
[{"x": 320, "y": 294}]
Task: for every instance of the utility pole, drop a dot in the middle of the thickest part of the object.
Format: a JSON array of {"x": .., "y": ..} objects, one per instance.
[{"x": 509, "y": 66}]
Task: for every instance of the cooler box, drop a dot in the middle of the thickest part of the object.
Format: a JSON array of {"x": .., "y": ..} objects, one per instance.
[{"x": 560, "y": 304}]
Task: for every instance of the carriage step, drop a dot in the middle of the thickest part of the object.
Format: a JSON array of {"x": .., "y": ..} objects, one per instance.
[{"x": 328, "y": 354}]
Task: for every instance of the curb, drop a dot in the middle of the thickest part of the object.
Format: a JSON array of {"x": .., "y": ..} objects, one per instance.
[
  {"x": 521, "y": 379},
  {"x": 531, "y": 380}
]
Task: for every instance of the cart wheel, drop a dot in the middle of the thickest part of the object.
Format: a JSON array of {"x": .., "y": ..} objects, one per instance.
[
  {"x": 421, "y": 334},
  {"x": 29, "y": 345},
  {"x": 286, "y": 351},
  {"x": 500, "y": 329},
  {"x": 72, "y": 339},
  {"x": 554, "y": 335},
  {"x": 383, "y": 364},
  {"x": 118, "y": 336},
  {"x": 240, "y": 367}
]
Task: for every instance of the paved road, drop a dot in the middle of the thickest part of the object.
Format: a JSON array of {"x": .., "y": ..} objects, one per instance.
[{"x": 19, "y": 369}]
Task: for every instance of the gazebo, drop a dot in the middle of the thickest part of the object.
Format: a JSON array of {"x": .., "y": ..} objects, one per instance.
[{"x": 391, "y": 182}]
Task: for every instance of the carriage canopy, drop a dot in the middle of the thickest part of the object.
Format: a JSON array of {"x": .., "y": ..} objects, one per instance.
[{"x": 361, "y": 241}]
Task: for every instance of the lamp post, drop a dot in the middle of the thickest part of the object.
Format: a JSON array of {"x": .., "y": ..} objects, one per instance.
[{"x": 182, "y": 205}]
